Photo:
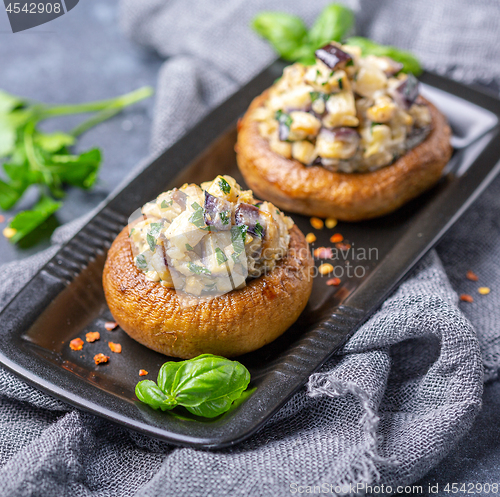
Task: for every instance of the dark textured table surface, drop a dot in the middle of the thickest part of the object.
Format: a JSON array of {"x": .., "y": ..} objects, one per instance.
[{"x": 83, "y": 56}]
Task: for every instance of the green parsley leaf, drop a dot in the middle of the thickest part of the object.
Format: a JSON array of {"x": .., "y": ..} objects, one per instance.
[
  {"x": 26, "y": 221},
  {"x": 225, "y": 217},
  {"x": 194, "y": 268},
  {"x": 224, "y": 186},
  {"x": 221, "y": 256},
  {"x": 151, "y": 242},
  {"x": 283, "y": 118},
  {"x": 259, "y": 230},
  {"x": 197, "y": 217},
  {"x": 238, "y": 235},
  {"x": 140, "y": 262}
]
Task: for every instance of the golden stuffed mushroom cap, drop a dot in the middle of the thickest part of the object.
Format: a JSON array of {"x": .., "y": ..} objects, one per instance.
[
  {"x": 365, "y": 186},
  {"x": 236, "y": 322}
]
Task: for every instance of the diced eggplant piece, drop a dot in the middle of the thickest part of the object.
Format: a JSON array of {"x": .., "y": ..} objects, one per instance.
[
  {"x": 406, "y": 92},
  {"x": 217, "y": 212},
  {"x": 249, "y": 215},
  {"x": 332, "y": 56},
  {"x": 179, "y": 198}
]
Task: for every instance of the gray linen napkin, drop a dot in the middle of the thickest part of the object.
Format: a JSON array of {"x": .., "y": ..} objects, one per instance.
[{"x": 401, "y": 392}]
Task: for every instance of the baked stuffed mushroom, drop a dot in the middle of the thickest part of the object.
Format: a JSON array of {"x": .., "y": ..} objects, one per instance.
[
  {"x": 208, "y": 269},
  {"x": 348, "y": 137}
]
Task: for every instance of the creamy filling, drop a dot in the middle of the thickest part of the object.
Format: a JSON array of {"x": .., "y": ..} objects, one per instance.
[
  {"x": 346, "y": 112},
  {"x": 210, "y": 238}
]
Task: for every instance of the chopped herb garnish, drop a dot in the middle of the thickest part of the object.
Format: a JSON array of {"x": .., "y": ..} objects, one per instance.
[
  {"x": 225, "y": 217},
  {"x": 141, "y": 262},
  {"x": 165, "y": 204},
  {"x": 238, "y": 235},
  {"x": 283, "y": 118},
  {"x": 151, "y": 242},
  {"x": 259, "y": 230},
  {"x": 188, "y": 247},
  {"x": 155, "y": 228},
  {"x": 221, "y": 256},
  {"x": 194, "y": 268},
  {"x": 277, "y": 212},
  {"x": 315, "y": 95},
  {"x": 131, "y": 231},
  {"x": 196, "y": 217},
  {"x": 341, "y": 85},
  {"x": 235, "y": 257},
  {"x": 224, "y": 186}
]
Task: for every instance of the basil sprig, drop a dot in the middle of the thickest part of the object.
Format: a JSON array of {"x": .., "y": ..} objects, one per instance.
[
  {"x": 206, "y": 385},
  {"x": 290, "y": 38}
]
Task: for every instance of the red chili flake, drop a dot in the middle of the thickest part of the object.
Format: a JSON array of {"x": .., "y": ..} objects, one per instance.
[
  {"x": 111, "y": 325},
  {"x": 323, "y": 253},
  {"x": 143, "y": 372},
  {"x": 337, "y": 237},
  {"x": 101, "y": 358},
  {"x": 333, "y": 282},
  {"x": 471, "y": 276},
  {"x": 92, "y": 336},
  {"x": 115, "y": 347},
  {"x": 466, "y": 298},
  {"x": 76, "y": 344},
  {"x": 343, "y": 246}
]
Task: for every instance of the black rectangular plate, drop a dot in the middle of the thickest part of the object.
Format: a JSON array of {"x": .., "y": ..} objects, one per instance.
[{"x": 65, "y": 299}]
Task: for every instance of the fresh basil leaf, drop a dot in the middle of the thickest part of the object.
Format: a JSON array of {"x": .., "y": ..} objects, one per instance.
[
  {"x": 285, "y": 32},
  {"x": 54, "y": 142},
  {"x": 147, "y": 391},
  {"x": 141, "y": 262},
  {"x": 331, "y": 25},
  {"x": 167, "y": 375},
  {"x": 224, "y": 186},
  {"x": 220, "y": 255},
  {"x": 26, "y": 221},
  {"x": 194, "y": 268},
  {"x": 211, "y": 409},
  {"x": 369, "y": 47}
]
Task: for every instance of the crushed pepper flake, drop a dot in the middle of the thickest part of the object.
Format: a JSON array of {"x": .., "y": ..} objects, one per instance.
[
  {"x": 325, "y": 268},
  {"x": 483, "y": 290},
  {"x": 76, "y": 344},
  {"x": 323, "y": 253},
  {"x": 465, "y": 297},
  {"x": 317, "y": 223},
  {"x": 111, "y": 325},
  {"x": 9, "y": 232},
  {"x": 343, "y": 246},
  {"x": 333, "y": 282},
  {"x": 101, "y": 358},
  {"x": 92, "y": 336},
  {"x": 143, "y": 372},
  {"x": 330, "y": 222},
  {"x": 336, "y": 238},
  {"x": 310, "y": 238},
  {"x": 471, "y": 276},
  {"x": 115, "y": 347}
]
